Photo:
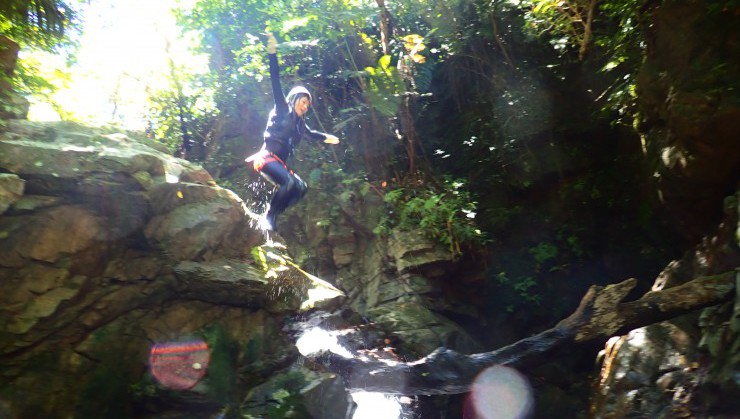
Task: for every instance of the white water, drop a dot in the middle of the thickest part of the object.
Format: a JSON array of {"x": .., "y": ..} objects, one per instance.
[{"x": 369, "y": 405}]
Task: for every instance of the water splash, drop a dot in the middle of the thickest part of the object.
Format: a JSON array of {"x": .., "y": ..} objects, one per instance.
[
  {"x": 369, "y": 405},
  {"x": 317, "y": 339},
  {"x": 376, "y": 406}
]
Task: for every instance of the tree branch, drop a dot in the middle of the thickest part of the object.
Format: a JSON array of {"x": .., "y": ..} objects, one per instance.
[
  {"x": 587, "y": 29},
  {"x": 600, "y": 314}
]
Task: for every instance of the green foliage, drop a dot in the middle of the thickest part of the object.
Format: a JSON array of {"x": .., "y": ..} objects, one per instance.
[
  {"x": 40, "y": 28},
  {"x": 543, "y": 252},
  {"x": 233, "y": 36},
  {"x": 228, "y": 184},
  {"x": 625, "y": 44},
  {"x": 447, "y": 215},
  {"x": 285, "y": 398},
  {"x": 523, "y": 286},
  {"x": 181, "y": 113},
  {"x": 614, "y": 32},
  {"x": 333, "y": 47},
  {"x": 287, "y": 405},
  {"x": 37, "y": 23},
  {"x": 385, "y": 86},
  {"x": 568, "y": 23},
  {"x": 39, "y": 75}
]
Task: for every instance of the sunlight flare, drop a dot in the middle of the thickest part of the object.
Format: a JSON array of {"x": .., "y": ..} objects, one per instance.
[{"x": 123, "y": 57}]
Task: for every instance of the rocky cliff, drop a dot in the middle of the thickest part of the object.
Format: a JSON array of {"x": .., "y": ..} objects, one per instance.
[
  {"x": 108, "y": 245},
  {"x": 687, "y": 93},
  {"x": 689, "y": 104},
  {"x": 688, "y": 366}
]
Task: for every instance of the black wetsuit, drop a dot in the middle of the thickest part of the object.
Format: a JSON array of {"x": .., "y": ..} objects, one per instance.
[{"x": 284, "y": 131}]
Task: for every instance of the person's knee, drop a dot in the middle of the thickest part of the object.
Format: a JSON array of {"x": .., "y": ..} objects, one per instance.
[
  {"x": 295, "y": 189},
  {"x": 300, "y": 186}
]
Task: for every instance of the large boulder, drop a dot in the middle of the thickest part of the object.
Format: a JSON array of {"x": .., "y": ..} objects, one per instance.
[
  {"x": 11, "y": 189},
  {"x": 107, "y": 245}
]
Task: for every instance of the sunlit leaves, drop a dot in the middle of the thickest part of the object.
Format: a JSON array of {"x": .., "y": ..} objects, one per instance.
[
  {"x": 36, "y": 20},
  {"x": 180, "y": 111},
  {"x": 613, "y": 32},
  {"x": 414, "y": 44},
  {"x": 302, "y": 21},
  {"x": 385, "y": 86},
  {"x": 568, "y": 21},
  {"x": 38, "y": 26}
]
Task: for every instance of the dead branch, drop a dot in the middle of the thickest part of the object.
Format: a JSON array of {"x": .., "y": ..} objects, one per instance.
[{"x": 600, "y": 314}]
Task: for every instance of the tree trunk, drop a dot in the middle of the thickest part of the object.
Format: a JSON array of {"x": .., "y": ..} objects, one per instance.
[
  {"x": 386, "y": 31},
  {"x": 600, "y": 314}
]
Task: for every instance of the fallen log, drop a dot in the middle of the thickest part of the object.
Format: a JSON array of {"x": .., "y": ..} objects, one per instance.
[{"x": 600, "y": 314}]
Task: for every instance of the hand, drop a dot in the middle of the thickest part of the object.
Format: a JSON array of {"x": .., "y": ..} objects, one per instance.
[
  {"x": 331, "y": 139},
  {"x": 271, "y": 43}
]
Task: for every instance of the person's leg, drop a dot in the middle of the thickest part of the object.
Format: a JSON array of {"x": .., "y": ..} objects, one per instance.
[
  {"x": 290, "y": 190},
  {"x": 278, "y": 175},
  {"x": 298, "y": 190}
]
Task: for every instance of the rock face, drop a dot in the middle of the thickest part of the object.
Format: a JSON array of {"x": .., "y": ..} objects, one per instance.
[
  {"x": 686, "y": 367},
  {"x": 395, "y": 282},
  {"x": 690, "y": 104},
  {"x": 108, "y": 245}
]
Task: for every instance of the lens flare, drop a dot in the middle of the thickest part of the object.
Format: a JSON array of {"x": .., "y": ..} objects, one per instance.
[
  {"x": 499, "y": 393},
  {"x": 179, "y": 365}
]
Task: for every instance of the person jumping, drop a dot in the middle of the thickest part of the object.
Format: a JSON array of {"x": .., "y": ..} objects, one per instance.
[{"x": 286, "y": 125}]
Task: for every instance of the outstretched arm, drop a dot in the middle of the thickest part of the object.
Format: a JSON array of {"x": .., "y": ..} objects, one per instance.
[
  {"x": 318, "y": 136},
  {"x": 281, "y": 106}
]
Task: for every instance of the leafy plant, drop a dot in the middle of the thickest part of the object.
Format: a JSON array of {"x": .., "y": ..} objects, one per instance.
[
  {"x": 544, "y": 252},
  {"x": 570, "y": 19},
  {"x": 40, "y": 28},
  {"x": 523, "y": 286},
  {"x": 611, "y": 26},
  {"x": 39, "y": 23},
  {"x": 447, "y": 216},
  {"x": 385, "y": 85},
  {"x": 181, "y": 116}
]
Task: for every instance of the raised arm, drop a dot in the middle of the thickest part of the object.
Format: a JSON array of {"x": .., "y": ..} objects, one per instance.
[{"x": 281, "y": 106}]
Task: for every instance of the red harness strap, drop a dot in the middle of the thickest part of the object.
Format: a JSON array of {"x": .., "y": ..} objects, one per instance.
[{"x": 260, "y": 159}]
